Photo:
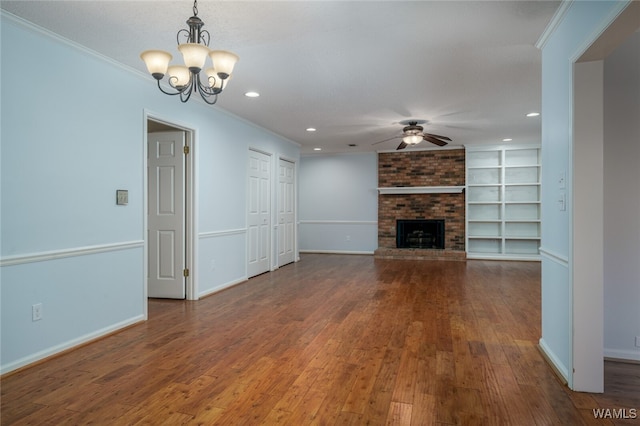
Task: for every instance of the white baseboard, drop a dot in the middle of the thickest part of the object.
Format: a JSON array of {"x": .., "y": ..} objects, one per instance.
[
  {"x": 555, "y": 362},
  {"x": 222, "y": 287},
  {"x": 336, "y": 252},
  {"x": 38, "y": 356},
  {"x": 622, "y": 355}
]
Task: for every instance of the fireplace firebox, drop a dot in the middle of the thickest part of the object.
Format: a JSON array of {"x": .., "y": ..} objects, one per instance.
[{"x": 420, "y": 233}]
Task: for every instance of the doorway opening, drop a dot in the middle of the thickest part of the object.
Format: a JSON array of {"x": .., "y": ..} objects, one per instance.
[{"x": 169, "y": 219}]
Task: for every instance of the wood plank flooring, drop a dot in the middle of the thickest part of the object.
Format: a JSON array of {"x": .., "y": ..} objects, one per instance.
[{"x": 331, "y": 340}]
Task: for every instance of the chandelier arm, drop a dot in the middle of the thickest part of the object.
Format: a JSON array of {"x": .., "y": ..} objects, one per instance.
[
  {"x": 186, "y": 94},
  {"x": 186, "y": 35},
  {"x": 205, "y": 37},
  {"x": 177, "y": 92},
  {"x": 207, "y": 92}
]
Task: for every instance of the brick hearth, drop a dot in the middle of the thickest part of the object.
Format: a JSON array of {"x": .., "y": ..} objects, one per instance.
[{"x": 422, "y": 169}]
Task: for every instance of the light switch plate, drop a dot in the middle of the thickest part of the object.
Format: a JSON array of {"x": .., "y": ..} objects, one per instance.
[
  {"x": 122, "y": 197},
  {"x": 562, "y": 202}
]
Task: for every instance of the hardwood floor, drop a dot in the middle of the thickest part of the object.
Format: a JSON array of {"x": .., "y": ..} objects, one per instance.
[{"x": 330, "y": 340}]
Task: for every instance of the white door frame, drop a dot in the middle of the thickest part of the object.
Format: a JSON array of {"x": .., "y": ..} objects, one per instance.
[
  {"x": 296, "y": 256},
  {"x": 586, "y": 252},
  {"x": 191, "y": 284}
]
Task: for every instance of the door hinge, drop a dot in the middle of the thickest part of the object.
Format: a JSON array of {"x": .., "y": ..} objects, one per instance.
[
  {"x": 185, "y": 149},
  {"x": 185, "y": 272}
]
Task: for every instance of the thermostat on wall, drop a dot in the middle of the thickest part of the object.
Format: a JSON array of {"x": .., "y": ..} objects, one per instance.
[{"x": 122, "y": 197}]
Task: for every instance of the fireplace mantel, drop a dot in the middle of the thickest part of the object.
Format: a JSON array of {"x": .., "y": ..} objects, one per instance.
[{"x": 421, "y": 190}]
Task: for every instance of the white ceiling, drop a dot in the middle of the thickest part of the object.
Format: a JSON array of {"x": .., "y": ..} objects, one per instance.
[{"x": 351, "y": 69}]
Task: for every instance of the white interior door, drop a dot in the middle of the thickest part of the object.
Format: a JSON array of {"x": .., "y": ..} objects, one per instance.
[
  {"x": 258, "y": 216},
  {"x": 286, "y": 212},
  {"x": 166, "y": 221}
]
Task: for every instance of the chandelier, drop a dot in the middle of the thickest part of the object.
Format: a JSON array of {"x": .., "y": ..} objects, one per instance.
[{"x": 186, "y": 79}]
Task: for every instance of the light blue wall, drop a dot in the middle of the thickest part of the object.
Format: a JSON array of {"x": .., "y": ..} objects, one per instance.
[
  {"x": 339, "y": 203},
  {"x": 72, "y": 133},
  {"x": 579, "y": 27}
]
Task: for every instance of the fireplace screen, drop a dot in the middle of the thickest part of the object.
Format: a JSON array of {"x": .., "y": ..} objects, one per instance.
[{"x": 420, "y": 233}]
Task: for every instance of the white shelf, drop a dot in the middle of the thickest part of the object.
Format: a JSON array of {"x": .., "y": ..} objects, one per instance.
[
  {"x": 507, "y": 237},
  {"x": 503, "y": 202}
]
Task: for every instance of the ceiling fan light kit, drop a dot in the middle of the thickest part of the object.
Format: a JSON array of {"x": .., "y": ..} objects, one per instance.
[
  {"x": 413, "y": 134},
  {"x": 186, "y": 79},
  {"x": 412, "y": 139}
]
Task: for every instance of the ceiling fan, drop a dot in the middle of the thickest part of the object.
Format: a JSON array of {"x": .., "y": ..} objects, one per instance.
[{"x": 413, "y": 134}]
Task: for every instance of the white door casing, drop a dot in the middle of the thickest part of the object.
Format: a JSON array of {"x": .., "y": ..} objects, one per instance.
[
  {"x": 286, "y": 212},
  {"x": 258, "y": 213},
  {"x": 166, "y": 220}
]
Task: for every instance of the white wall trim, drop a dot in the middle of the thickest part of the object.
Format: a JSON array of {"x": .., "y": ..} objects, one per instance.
[
  {"x": 338, "y": 222},
  {"x": 557, "y": 18},
  {"x": 555, "y": 257},
  {"x": 63, "y": 40},
  {"x": 621, "y": 355},
  {"x": 336, "y": 252},
  {"x": 421, "y": 190},
  {"x": 65, "y": 253},
  {"x": 518, "y": 257},
  {"x": 223, "y": 287},
  {"x": 70, "y": 344},
  {"x": 553, "y": 359},
  {"x": 215, "y": 234},
  {"x": 606, "y": 21}
]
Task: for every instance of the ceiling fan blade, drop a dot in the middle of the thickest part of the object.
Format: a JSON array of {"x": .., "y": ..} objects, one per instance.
[
  {"x": 439, "y": 137},
  {"x": 403, "y": 145},
  {"x": 386, "y": 140},
  {"x": 434, "y": 140}
]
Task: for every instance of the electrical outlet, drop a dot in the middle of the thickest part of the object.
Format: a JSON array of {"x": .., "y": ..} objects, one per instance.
[
  {"x": 36, "y": 312},
  {"x": 348, "y": 237},
  {"x": 638, "y": 341}
]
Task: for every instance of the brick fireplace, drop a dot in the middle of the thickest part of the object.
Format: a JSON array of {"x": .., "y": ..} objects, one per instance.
[{"x": 422, "y": 185}]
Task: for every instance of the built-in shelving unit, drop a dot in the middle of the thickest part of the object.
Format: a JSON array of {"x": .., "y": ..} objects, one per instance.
[{"x": 503, "y": 202}]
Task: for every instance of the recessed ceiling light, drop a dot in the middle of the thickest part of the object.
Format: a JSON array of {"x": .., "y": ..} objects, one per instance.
[
  {"x": 507, "y": 140},
  {"x": 252, "y": 94},
  {"x": 317, "y": 149},
  {"x": 311, "y": 129},
  {"x": 533, "y": 114}
]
